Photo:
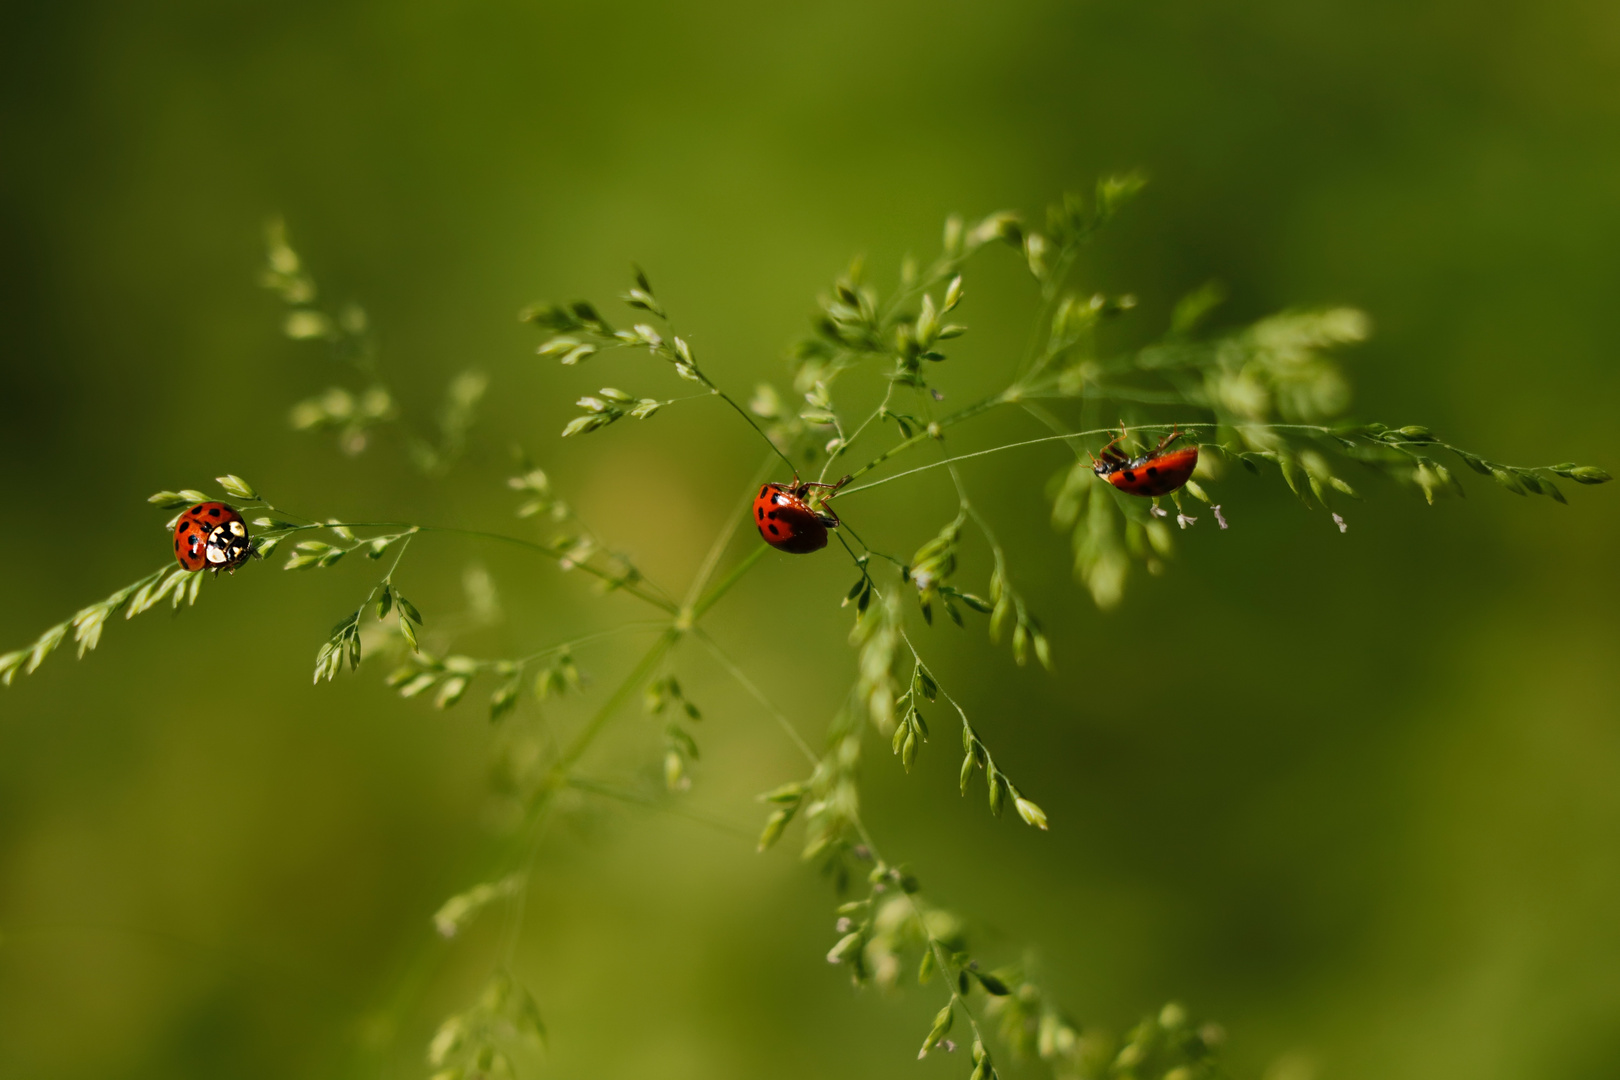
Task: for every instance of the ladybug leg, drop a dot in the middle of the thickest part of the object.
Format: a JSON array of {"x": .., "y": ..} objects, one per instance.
[
  {"x": 826, "y": 514},
  {"x": 1102, "y": 460},
  {"x": 1175, "y": 433}
]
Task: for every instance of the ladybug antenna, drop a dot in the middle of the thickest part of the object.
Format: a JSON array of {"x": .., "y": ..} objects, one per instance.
[{"x": 832, "y": 489}]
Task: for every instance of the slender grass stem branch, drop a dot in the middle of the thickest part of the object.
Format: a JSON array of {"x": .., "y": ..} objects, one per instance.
[
  {"x": 587, "y": 639},
  {"x": 593, "y": 727},
  {"x": 956, "y": 478},
  {"x": 960, "y": 457},
  {"x": 1036, "y": 359},
  {"x": 636, "y": 798},
  {"x": 937, "y": 947},
  {"x": 1052, "y": 422},
  {"x": 403, "y": 547},
  {"x": 941, "y": 958},
  {"x": 742, "y": 412},
  {"x": 844, "y": 528},
  {"x": 631, "y": 587},
  {"x": 517, "y": 855},
  {"x": 1009, "y": 446},
  {"x": 560, "y": 774},
  {"x": 845, "y": 443},
  {"x": 727, "y": 531},
  {"x": 501, "y": 663},
  {"x": 520, "y": 900},
  {"x": 853, "y": 557},
  {"x": 756, "y": 693},
  {"x": 955, "y": 418},
  {"x": 692, "y": 614},
  {"x": 915, "y": 655}
]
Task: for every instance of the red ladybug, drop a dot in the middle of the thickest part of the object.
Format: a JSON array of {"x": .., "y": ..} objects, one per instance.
[
  {"x": 786, "y": 521},
  {"x": 1154, "y": 473},
  {"x": 211, "y": 536}
]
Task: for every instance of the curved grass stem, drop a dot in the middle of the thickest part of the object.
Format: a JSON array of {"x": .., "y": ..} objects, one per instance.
[{"x": 633, "y": 587}]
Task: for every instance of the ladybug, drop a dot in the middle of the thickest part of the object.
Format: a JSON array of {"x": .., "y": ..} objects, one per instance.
[
  {"x": 785, "y": 518},
  {"x": 1156, "y": 472},
  {"x": 211, "y": 536}
]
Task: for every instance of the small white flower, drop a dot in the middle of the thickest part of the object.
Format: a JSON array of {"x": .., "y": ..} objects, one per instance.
[
  {"x": 1219, "y": 518},
  {"x": 924, "y": 580},
  {"x": 1158, "y": 511},
  {"x": 1184, "y": 520},
  {"x": 1339, "y": 521},
  {"x": 947, "y": 1045},
  {"x": 844, "y": 925}
]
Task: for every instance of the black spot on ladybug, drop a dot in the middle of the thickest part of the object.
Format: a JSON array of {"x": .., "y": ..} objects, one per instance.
[
  {"x": 774, "y": 530},
  {"x": 1130, "y": 477},
  {"x": 213, "y": 511},
  {"x": 1152, "y": 471},
  {"x": 758, "y": 512},
  {"x": 763, "y": 490},
  {"x": 771, "y": 515}
]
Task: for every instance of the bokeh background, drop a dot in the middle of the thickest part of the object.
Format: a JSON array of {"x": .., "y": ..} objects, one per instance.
[{"x": 1365, "y": 813}]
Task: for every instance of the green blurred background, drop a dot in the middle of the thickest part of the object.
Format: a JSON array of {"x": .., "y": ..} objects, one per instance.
[{"x": 1371, "y": 815}]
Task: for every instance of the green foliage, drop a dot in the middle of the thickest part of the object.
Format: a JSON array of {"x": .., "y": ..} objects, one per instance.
[
  {"x": 355, "y": 414},
  {"x": 463, "y": 907},
  {"x": 1270, "y": 397},
  {"x": 170, "y": 582},
  {"x": 475, "y": 1044}
]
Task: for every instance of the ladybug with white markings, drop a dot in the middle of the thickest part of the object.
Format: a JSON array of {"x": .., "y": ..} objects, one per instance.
[
  {"x": 789, "y": 520},
  {"x": 212, "y": 536}
]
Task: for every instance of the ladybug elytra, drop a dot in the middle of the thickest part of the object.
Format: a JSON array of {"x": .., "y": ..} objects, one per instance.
[
  {"x": 786, "y": 520},
  {"x": 1156, "y": 472},
  {"x": 211, "y": 536}
]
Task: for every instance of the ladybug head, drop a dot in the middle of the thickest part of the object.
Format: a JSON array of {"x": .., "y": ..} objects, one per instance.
[
  {"x": 812, "y": 495},
  {"x": 228, "y": 545}
]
